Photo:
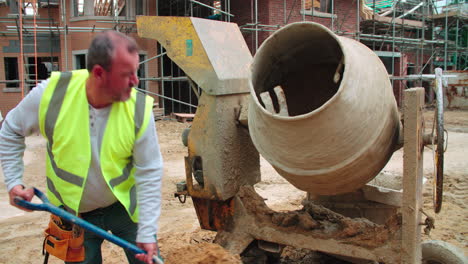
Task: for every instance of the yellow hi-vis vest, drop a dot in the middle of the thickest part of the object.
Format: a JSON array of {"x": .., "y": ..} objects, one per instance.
[{"x": 64, "y": 122}]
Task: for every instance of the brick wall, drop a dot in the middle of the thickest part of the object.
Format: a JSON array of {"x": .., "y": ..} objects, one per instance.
[
  {"x": 75, "y": 41},
  {"x": 281, "y": 12}
]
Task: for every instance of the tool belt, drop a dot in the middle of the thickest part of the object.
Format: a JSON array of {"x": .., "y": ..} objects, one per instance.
[{"x": 64, "y": 240}]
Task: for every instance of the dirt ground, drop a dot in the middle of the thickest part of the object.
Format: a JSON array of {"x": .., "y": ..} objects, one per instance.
[{"x": 180, "y": 238}]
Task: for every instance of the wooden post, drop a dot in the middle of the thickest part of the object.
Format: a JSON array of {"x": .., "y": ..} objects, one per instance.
[{"x": 412, "y": 175}]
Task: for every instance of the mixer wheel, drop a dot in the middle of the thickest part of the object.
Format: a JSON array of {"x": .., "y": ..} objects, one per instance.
[
  {"x": 440, "y": 252},
  {"x": 438, "y": 143},
  {"x": 184, "y": 136},
  {"x": 254, "y": 255}
]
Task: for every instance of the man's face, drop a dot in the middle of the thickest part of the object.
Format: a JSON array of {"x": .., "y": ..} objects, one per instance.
[{"x": 122, "y": 75}]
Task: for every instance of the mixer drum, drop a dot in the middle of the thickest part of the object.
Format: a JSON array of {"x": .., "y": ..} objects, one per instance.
[{"x": 322, "y": 110}]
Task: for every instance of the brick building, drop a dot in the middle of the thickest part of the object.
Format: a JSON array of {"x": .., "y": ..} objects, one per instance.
[
  {"x": 409, "y": 36},
  {"x": 60, "y": 41}
]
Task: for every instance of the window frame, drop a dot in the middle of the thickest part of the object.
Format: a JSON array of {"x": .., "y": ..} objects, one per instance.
[
  {"x": 77, "y": 53},
  {"x": 17, "y": 87},
  {"x": 318, "y": 13},
  {"x": 129, "y": 12},
  {"x": 144, "y": 56}
]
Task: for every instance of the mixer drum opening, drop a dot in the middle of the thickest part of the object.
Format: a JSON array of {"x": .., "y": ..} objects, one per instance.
[
  {"x": 322, "y": 110},
  {"x": 308, "y": 68}
]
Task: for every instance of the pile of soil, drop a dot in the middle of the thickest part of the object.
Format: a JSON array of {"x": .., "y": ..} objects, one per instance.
[
  {"x": 203, "y": 253},
  {"x": 21, "y": 233}
]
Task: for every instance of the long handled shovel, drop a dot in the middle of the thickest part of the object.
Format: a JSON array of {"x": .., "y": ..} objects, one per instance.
[{"x": 47, "y": 206}]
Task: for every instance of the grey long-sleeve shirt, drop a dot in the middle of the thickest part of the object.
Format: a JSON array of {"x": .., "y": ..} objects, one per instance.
[{"x": 23, "y": 120}]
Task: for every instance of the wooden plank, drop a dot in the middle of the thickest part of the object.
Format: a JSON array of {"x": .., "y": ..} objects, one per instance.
[
  {"x": 412, "y": 176},
  {"x": 158, "y": 113},
  {"x": 406, "y": 22},
  {"x": 183, "y": 117},
  {"x": 449, "y": 14}
]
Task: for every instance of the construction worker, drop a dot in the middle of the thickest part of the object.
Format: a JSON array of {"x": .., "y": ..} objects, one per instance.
[{"x": 103, "y": 158}]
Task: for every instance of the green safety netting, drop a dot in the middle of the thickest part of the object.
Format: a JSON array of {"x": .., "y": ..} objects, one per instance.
[{"x": 379, "y": 4}]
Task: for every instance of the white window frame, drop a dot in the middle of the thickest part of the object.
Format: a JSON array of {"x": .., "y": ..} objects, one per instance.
[
  {"x": 130, "y": 10},
  {"x": 145, "y": 69},
  {"x": 79, "y": 52},
  {"x": 316, "y": 13}
]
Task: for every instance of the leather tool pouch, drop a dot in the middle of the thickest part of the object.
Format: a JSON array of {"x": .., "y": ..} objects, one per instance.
[{"x": 64, "y": 240}]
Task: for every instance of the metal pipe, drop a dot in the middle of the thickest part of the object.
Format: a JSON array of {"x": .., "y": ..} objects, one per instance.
[
  {"x": 62, "y": 32},
  {"x": 446, "y": 36},
  {"x": 303, "y": 9},
  {"x": 393, "y": 38},
  {"x": 21, "y": 59},
  {"x": 162, "y": 73},
  {"x": 165, "y": 97},
  {"x": 420, "y": 77},
  {"x": 152, "y": 58},
  {"x": 332, "y": 2},
  {"x": 412, "y": 10},
  {"x": 24, "y": 18},
  {"x": 402, "y": 39},
  {"x": 423, "y": 32},
  {"x": 190, "y": 94},
  {"x": 120, "y": 22},
  {"x": 180, "y": 90},
  {"x": 202, "y": 4},
  {"x": 456, "y": 45},
  {"x": 166, "y": 79},
  {"x": 358, "y": 2},
  {"x": 10, "y": 81},
  {"x": 64, "y": 22},
  {"x": 172, "y": 85},
  {"x": 191, "y": 11},
  {"x": 259, "y": 29},
  {"x": 284, "y": 12},
  {"x": 312, "y": 9},
  {"x": 373, "y": 23},
  {"x": 62, "y": 28},
  {"x": 37, "y": 22},
  {"x": 17, "y": 81},
  {"x": 403, "y": 42},
  {"x": 256, "y": 26},
  {"x": 261, "y": 25}
]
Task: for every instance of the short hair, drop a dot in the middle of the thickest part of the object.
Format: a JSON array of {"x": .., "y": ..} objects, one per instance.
[{"x": 101, "y": 50}]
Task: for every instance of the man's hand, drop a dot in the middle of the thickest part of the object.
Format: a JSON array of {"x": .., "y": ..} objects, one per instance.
[
  {"x": 151, "y": 249},
  {"x": 20, "y": 191}
]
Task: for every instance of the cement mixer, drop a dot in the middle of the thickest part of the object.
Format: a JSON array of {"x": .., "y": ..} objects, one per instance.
[
  {"x": 337, "y": 122},
  {"x": 320, "y": 109}
]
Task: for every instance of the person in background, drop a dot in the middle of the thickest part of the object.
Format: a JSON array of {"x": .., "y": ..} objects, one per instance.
[{"x": 103, "y": 157}]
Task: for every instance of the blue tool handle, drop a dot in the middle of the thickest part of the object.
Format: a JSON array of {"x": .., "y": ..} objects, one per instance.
[{"x": 47, "y": 206}]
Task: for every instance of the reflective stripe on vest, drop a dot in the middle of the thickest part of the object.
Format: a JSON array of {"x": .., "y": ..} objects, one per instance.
[{"x": 51, "y": 116}]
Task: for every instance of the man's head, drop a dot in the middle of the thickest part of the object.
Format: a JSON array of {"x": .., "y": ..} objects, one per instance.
[{"x": 113, "y": 64}]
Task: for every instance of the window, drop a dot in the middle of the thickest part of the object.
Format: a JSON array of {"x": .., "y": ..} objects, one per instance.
[
  {"x": 80, "y": 61},
  {"x": 217, "y": 5},
  {"x": 102, "y": 8},
  {"x": 108, "y": 8},
  {"x": 78, "y": 8},
  {"x": 323, "y": 6},
  {"x": 28, "y": 8},
  {"x": 11, "y": 72},
  {"x": 142, "y": 72},
  {"x": 45, "y": 66},
  {"x": 139, "y": 7},
  {"x": 318, "y": 8}
]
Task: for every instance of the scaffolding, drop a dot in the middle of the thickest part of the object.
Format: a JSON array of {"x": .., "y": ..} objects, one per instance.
[{"x": 411, "y": 37}]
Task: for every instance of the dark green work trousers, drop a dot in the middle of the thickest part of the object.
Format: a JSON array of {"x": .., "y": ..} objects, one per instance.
[{"x": 113, "y": 218}]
